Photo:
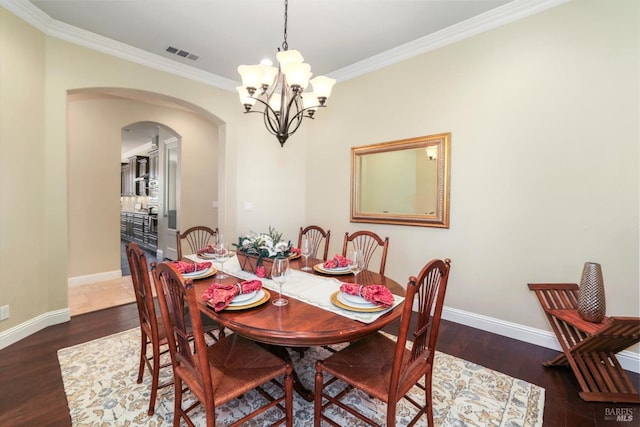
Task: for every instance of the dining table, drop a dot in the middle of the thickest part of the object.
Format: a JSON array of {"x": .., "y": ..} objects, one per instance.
[{"x": 314, "y": 315}]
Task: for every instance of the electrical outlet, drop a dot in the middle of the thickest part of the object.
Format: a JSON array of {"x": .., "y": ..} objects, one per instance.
[{"x": 4, "y": 312}]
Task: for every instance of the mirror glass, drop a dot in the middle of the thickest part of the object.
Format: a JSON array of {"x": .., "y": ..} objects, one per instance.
[{"x": 402, "y": 182}]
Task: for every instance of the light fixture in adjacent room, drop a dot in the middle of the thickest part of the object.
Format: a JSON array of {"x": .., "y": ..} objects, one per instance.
[
  {"x": 432, "y": 152},
  {"x": 280, "y": 91}
]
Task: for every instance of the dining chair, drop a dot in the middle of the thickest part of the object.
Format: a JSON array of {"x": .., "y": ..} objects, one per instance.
[
  {"x": 151, "y": 326},
  {"x": 385, "y": 369},
  {"x": 316, "y": 235},
  {"x": 196, "y": 238},
  {"x": 217, "y": 374},
  {"x": 368, "y": 242}
]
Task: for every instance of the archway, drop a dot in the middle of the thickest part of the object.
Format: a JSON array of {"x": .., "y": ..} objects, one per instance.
[{"x": 95, "y": 121}]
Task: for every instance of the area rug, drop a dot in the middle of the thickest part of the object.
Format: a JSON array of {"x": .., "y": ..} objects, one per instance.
[{"x": 100, "y": 383}]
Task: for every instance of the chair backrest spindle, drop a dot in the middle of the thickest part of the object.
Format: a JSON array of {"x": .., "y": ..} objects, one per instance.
[{"x": 316, "y": 235}]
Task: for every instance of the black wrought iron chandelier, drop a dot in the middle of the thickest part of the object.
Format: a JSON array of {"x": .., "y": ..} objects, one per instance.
[{"x": 281, "y": 90}]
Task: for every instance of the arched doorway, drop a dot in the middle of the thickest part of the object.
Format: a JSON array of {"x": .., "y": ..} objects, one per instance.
[
  {"x": 95, "y": 121},
  {"x": 150, "y": 185}
]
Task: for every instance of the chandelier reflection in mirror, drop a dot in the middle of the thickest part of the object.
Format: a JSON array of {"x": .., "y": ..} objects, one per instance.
[{"x": 281, "y": 91}]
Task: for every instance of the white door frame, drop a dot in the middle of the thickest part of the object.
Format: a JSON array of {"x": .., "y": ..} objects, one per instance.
[{"x": 166, "y": 207}]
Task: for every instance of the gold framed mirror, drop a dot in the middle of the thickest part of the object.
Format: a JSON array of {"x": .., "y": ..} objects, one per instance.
[{"x": 403, "y": 182}]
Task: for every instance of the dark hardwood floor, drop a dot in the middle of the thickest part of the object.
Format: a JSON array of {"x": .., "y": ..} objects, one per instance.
[{"x": 32, "y": 394}]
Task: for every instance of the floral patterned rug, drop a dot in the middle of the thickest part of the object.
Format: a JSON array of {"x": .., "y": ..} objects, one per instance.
[{"x": 100, "y": 383}]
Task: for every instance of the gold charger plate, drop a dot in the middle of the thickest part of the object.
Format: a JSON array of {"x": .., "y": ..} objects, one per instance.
[
  {"x": 261, "y": 301},
  {"x": 319, "y": 269},
  {"x": 294, "y": 256},
  {"x": 203, "y": 276},
  {"x": 338, "y": 303}
]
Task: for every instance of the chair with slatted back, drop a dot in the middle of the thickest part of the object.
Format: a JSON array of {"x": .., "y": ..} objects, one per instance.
[
  {"x": 368, "y": 242},
  {"x": 196, "y": 238},
  {"x": 151, "y": 326},
  {"x": 317, "y": 236},
  {"x": 221, "y": 372},
  {"x": 386, "y": 369}
]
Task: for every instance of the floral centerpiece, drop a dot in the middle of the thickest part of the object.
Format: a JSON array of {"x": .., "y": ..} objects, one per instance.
[{"x": 256, "y": 251}]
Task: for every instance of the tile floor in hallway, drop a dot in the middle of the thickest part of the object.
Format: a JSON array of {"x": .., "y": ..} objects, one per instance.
[{"x": 109, "y": 293}]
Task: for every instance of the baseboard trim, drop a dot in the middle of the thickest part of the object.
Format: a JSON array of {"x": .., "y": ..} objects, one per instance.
[
  {"x": 31, "y": 326},
  {"x": 92, "y": 278},
  {"x": 629, "y": 360}
]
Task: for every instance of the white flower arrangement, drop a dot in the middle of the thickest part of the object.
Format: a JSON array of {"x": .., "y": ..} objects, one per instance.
[{"x": 264, "y": 245}]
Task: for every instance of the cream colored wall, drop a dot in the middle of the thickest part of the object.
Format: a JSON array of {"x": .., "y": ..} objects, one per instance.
[
  {"x": 24, "y": 282},
  {"x": 35, "y": 90},
  {"x": 544, "y": 174},
  {"x": 93, "y": 193},
  {"x": 544, "y": 120}
]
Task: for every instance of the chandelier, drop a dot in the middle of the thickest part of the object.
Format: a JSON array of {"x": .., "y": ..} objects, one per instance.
[{"x": 280, "y": 91}]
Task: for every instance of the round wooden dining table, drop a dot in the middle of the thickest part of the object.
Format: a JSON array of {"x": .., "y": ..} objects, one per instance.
[{"x": 299, "y": 324}]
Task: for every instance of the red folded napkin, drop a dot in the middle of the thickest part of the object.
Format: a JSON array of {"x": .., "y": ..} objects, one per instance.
[
  {"x": 208, "y": 250},
  {"x": 336, "y": 261},
  {"x": 377, "y": 294},
  {"x": 190, "y": 267},
  {"x": 219, "y": 295}
]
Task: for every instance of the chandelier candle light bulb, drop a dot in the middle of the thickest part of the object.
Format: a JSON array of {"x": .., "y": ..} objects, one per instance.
[{"x": 281, "y": 90}]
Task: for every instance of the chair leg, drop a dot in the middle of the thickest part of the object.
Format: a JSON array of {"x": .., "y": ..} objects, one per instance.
[
  {"x": 429, "y": 399},
  {"x": 177, "y": 405},
  {"x": 317, "y": 405},
  {"x": 288, "y": 392},
  {"x": 155, "y": 378},
  {"x": 143, "y": 355},
  {"x": 391, "y": 413}
]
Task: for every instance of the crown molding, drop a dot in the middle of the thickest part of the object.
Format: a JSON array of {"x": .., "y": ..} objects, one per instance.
[
  {"x": 500, "y": 16},
  {"x": 60, "y": 30},
  {"x": 503, "y": 15}
]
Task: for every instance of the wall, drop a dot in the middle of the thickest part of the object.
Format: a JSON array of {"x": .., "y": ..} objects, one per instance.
[
  {"x": 544, "y": 174},
  {"x": 544, "y": 120},
  {"x": 95, "y": 121},
  {"x": 255, "y": 168},
  {"x": 24, "y": 282}
]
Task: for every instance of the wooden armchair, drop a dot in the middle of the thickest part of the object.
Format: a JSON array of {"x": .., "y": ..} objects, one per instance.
[
  {"x": 196, "y": 238},
  {"x": 589, "y": 348},
  {"x": 368, "y": 242},
  {"x": 316, "y": 235},
  {"x": 385, "y": 369},
  {"x": 221, "y": 372}
]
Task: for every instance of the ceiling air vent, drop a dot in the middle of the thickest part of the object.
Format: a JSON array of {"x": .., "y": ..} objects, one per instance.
[{"x": 182, "y": 53}]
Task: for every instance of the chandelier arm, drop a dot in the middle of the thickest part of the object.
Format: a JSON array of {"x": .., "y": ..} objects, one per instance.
[
  {"x": 301, "y": 114},
  {"x": 269, "y": 115}
]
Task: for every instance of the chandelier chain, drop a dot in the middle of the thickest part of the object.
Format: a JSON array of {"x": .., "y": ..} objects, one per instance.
[{"x": 285, "y": 45}]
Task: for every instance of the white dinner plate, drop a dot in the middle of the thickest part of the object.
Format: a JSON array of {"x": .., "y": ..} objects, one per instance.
[
  {"x": 337, "y": 269},
  {"x": 198, "y": 273},
  {"x": 256, "y": 296},
  {"x": 206, "y": 256},
  {"x": 354, "y": 301},
  {"x": 241, "y": 298}
]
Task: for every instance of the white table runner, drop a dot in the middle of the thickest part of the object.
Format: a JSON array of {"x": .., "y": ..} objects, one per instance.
[{"x": 310, "y": 288}]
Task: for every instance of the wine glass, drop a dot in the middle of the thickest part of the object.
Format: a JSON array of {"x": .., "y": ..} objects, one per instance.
[
  {"x": 221, "y": 254},
  {"x": 356, "y": 263},
  {"x": 279, "y": 274},
  {"x": 305, "y": 251}
]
